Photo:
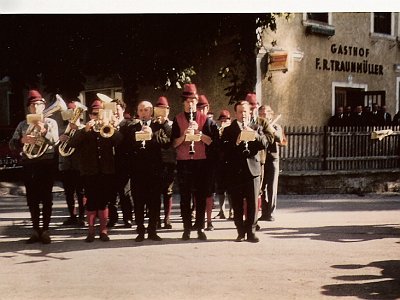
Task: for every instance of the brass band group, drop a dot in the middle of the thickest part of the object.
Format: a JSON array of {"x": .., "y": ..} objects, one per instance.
[{"x": 113, "y": 160}]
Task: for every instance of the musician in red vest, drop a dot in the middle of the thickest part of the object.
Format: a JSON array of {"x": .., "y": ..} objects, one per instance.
[{"x": 191, "y": 158}]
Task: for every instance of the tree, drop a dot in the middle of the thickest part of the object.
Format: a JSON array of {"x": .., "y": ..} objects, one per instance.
[{"x": 159, "y": 50}]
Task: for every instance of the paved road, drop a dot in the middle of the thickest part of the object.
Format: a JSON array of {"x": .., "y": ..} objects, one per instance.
[{"x": 319, "y": 247}]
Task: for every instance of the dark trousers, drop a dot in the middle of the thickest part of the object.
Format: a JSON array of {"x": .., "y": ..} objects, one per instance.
[
  {"x": 192, "y": 179},
  {"x": 269, "y": 186},
  {"x": 99, "y": 190},
  {"x": 123, "y": 192},
  {"x": 39, "y": 181},
  {"x": 246, "y": 189},
  {"x": 167, "y": 183},
  {"x": 146, "y": 192},
  {"x": 72, "y": 183}
]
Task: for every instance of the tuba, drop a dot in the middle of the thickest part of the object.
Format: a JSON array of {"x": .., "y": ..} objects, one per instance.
[
  {"x": 41, "y": 145},
  {"x": 64, "y": 149}
]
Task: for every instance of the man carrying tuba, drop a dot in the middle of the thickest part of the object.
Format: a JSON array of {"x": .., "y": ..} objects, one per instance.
[{"x": 39, "y": 170}]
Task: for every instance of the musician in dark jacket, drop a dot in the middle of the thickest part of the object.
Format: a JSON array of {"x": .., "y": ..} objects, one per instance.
[
  {"x": 146, "y": 167},
  {"x": 39, "y": 172},
  {"x": 97, "y": 168},
  {"x": 243, "y": 165}
]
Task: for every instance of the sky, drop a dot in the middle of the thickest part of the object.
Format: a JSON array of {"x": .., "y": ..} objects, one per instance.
[{"x": 189, "y": 6}]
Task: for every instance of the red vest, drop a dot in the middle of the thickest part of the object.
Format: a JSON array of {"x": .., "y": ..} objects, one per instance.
[{"x": 182, "y": 151}]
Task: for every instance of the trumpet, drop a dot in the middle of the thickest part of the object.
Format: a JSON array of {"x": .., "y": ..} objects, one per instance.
[
  {"x": 104, "y": 125},
  {"x": 246, "y": 136},
  {"x": 64, "y": 149},
  {"x": 142, "y": 136},
  {"x": 41, "y": 145}
]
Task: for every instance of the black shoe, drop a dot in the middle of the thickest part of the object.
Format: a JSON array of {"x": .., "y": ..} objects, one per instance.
[
  {"x": 252, "y": 238},
  {"x": 201, "y": 235},
  {"x": 34, "y": 238},
  {"x": 186, "y": 235},
  {"x": 167, "y": 226},
  {"x": 45, "y": 237},
  {"x": 263, "y": 218},
  {"x": 240, "y": 238},
  {"x": 104, "y": 237},
  {"x": 210, "y": 227},
  {"x": 90, "y": 238},
  {"x": 154, "y": 237},
  {"x": 140, "y": 237},
  {"x": 258, "y": 227},
  {"x": 270, "y": 218},
  {"x": 128, "y": 224}
]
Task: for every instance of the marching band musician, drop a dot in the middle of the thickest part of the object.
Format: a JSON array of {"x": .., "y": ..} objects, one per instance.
[
  {"x": 122, "y": 180},
  {"x": 168, "y": 157},
  {"x": 97, "y": 168},
  {"x": 192, "y": 165},
  {"x": 70, "y": 176},
  {"x": 243, "y": 165},
  {"x": 269, "y": 186},
  {"x": 39, "y": 172},
  {"x": 203, "y": 107},
  {"x": 145, "y": 138},
  {"x": 223, "y": 121}
]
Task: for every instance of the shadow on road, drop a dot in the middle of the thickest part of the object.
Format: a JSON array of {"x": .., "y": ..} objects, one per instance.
[
  {"x": 385, "y": 286},
  {"x": 338, "y": 234}
]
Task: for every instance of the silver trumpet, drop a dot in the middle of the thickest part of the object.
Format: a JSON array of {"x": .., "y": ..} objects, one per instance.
[
  {"x": 246, "y": 136},
  {"x": 142, "y": 136}
]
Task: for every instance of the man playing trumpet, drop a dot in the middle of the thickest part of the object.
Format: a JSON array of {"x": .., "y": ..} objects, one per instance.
[{"x": 97, "y": 168}]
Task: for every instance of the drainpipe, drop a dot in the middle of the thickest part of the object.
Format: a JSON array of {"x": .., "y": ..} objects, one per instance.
[{"x": 260, "y": 56}]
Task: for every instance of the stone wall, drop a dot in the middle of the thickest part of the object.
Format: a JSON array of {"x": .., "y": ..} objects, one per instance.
[{"x": 338, "y": 182}]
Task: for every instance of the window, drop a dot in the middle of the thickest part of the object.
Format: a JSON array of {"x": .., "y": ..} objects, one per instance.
[
  {"x": 382, "y": 23},
  {"x": 318, "y": 17},
  {"x": 319, "y": 24}
]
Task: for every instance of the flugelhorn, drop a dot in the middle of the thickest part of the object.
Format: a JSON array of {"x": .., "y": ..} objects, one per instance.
[
  {"x": 64, "y": 149},
  {"x": 142, "y": 136},
  {"x": 41, "y": 144}
]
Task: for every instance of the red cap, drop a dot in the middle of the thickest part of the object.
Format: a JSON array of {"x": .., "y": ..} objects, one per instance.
[
  {"x": 224, "y": 114},
  {"x": 96, "y": 104},
  {"x": 251, "y": 98},
  {"x": 162, "y": 102},
  {"x": 34, "y": 96},
  {"x": 203, "y": 102},
  {"x": 189, "y": 91}
]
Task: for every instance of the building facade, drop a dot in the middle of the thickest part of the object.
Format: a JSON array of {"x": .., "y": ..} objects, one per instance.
[{"x": 315, "y": 62}]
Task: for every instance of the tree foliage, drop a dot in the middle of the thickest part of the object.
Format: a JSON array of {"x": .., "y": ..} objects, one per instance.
[{"x": 161, "y": 50}]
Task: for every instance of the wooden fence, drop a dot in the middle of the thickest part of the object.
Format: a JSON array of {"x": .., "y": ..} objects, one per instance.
[{"x": 339, "y": 148}]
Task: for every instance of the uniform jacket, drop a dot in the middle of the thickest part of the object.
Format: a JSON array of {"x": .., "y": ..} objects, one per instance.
[{"x": 239, "y": 164}]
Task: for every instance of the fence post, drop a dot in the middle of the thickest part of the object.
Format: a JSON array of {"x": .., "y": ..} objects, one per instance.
[{"x": 325, "y": 149}]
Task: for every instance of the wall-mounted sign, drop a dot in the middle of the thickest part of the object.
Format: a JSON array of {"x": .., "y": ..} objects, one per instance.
[{"x": 278, "y": 61}]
